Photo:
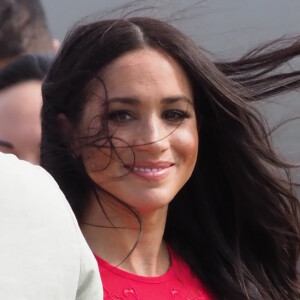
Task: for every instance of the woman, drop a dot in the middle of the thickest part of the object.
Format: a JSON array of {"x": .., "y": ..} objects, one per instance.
[
  {"x": 168, "y": 167},
  {"x": 20, "y": 106}
]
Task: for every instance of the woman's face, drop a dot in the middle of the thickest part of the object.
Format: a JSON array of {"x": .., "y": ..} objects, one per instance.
[
  {"x": 152, "y": 127},
  {"x": 20, "y": 125}
]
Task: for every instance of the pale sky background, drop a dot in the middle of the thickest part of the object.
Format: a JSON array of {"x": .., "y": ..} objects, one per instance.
[
  {"x": 219, "y": 25},
  {"x": 226, "y": 28}
]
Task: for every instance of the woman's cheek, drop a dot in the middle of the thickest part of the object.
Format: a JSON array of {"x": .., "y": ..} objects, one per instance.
[{"x": 185, "y": 141}]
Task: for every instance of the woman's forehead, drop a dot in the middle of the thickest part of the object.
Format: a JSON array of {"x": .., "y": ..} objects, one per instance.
[{"x": 147, "y": 68}]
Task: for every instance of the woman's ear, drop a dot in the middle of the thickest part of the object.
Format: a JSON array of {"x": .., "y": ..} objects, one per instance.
[
  {"x": 65, "y": 124},
  {"x": 68, "y": 132}
]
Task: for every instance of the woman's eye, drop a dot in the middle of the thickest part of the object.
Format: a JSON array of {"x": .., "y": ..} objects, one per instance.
[
  {"x": 175, "y": 115},
  {"x": 119, "y": 116}
]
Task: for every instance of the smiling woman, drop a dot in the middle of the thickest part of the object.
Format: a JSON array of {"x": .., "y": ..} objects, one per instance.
[
  {"x": 148, "y": 115},
  {"x": 167, "y": 165}
]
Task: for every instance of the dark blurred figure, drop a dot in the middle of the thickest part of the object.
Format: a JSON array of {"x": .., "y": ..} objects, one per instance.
[
  {"x": 20, "y": 105},
  {"x": 23, "y": 29}
]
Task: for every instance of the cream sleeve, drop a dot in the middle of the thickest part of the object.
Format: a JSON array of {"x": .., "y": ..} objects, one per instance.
[{"x": 43, "y": 254}]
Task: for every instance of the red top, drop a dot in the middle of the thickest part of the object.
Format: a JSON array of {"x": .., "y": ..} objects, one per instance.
[{"x": 178, "y": 283}]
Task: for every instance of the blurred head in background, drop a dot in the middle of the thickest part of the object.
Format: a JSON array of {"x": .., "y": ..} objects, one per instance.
[
  {"x": 20, "y": 106},
  {"x": 23, "y": 29}
]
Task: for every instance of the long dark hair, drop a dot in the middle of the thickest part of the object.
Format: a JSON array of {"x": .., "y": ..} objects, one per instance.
[{"x": 236, "y": 221}]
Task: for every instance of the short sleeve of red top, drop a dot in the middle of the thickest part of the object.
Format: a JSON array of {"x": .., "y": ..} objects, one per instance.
[{"x": 178, "y": 283}]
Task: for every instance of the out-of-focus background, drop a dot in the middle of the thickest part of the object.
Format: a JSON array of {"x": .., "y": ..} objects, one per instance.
[{"x": 226, "y": 28}]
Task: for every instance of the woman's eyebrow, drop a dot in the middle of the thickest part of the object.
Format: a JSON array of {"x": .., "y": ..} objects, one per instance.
[
  {"x": 135, "y": 101},
  {"x": 125, "y": 100},
  {"x": 170, "y": 100},
  {"x": 6, "y": 144}
]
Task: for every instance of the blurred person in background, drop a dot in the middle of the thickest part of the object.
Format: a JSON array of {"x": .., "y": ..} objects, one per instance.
[
  {"x": 20, "y": 106},
  {"x": 43, "y": 254},
  {"x": 23, "y": 29}
]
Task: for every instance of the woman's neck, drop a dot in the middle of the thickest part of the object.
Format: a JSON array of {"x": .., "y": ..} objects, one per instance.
[{"x": 120, "y": 242}]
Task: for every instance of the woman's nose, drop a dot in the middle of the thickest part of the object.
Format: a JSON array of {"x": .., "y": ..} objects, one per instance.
[{"x": 151, "y": 137}]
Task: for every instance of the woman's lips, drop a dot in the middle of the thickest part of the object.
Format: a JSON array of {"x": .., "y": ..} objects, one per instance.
[{"x": 151, "y": 171}]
